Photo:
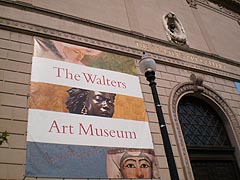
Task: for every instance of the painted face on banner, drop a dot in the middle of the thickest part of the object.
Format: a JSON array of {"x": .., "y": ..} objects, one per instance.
[
  {"x": 74, "y": 55},
  {"x": 100, "y": 104},
  {"x": 136, "y": 167}
]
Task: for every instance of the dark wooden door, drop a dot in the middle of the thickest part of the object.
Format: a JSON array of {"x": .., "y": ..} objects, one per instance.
[
  {"x": 209, "y": 148},
  {"x": 215, "y": 170}
]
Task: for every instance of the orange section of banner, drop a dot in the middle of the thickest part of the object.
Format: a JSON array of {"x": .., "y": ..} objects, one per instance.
[{"x": 53, "y": 97}]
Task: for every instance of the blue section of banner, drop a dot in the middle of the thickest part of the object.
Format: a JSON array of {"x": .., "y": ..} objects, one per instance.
[{"x": 65, "y": 161}]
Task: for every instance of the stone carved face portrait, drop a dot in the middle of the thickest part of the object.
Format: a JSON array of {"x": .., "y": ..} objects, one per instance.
[
  {"x": 81, "y": 101},
  {"x": 174, "y": 29}
]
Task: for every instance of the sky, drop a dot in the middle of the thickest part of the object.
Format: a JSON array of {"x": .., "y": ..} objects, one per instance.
[{"x": 238, "y": 86}]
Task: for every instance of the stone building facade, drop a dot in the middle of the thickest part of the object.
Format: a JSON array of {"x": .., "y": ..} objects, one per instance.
[{"x": 199, "y": 57}]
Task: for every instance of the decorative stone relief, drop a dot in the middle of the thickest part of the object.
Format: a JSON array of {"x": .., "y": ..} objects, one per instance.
[
  {"x": 197, "y": 82},
  {"x": 174, "y": 29},
  {"x": 192, "y": 3},
  {"x": 196, "y": 88}
]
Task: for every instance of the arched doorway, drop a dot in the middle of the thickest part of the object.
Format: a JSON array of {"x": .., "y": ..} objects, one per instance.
[{"x": 209, "y": 148}]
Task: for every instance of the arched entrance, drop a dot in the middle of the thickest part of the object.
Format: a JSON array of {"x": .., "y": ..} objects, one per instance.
[
  {"x": 209, "y": 149},
  {"x": 192, "y": 158}
]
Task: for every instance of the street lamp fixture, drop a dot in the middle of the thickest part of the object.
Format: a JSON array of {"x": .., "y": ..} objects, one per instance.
[{"x": 148, "y": 68}]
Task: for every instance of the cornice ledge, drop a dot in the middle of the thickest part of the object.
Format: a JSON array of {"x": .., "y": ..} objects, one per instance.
[
  {"x": 36, "y": 30},
  {"x": 212, "y": 56},
  {"x": 233, "y": 5},
  {"x": 219, "y": 8}
]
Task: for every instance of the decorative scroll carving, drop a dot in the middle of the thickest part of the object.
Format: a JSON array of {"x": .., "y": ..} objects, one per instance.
[
  {"x": 189, "y": 88},
  {"x": 174, "y": 29},
  {"x": 197, "y": 82},
  {"x": 192, "y": 3}
]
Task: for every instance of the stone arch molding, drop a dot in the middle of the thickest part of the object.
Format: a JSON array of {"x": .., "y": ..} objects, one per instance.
[
  {"x": 174, "y": 29},
  {"x": 195, "y": 87}
]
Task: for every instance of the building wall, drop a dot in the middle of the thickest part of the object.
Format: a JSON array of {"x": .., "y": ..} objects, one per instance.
[
  {"x": 220, "y": 33},
  {"x": 15, "y": 68},
  {"x": 207, "y": 29},
  {"x": 124, "y": 27}
]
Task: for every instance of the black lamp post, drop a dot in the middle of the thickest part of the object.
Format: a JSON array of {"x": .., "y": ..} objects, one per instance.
[{"x": 148, "y": 67}]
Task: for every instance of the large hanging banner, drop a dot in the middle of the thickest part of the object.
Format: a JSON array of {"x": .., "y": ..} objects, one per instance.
[{"x": 86, "y": 115}]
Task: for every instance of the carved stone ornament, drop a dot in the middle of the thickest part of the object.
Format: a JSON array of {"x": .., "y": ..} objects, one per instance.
[
  {"x": 174, "y": 29},
  {"x": 197, "y": 82},
  {"x": 192, "y": 3}
]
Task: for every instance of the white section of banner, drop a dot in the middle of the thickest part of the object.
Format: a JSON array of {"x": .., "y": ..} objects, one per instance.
[
  {"x": 75, "y": 75},
  {"x": 65, "y": 128}
]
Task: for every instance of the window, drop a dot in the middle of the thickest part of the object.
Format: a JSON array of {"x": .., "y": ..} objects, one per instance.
[{"x": 209, "y": 148}]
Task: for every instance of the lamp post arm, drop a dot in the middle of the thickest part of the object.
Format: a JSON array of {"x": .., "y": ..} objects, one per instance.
[{"x": 150, "y": 75}]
